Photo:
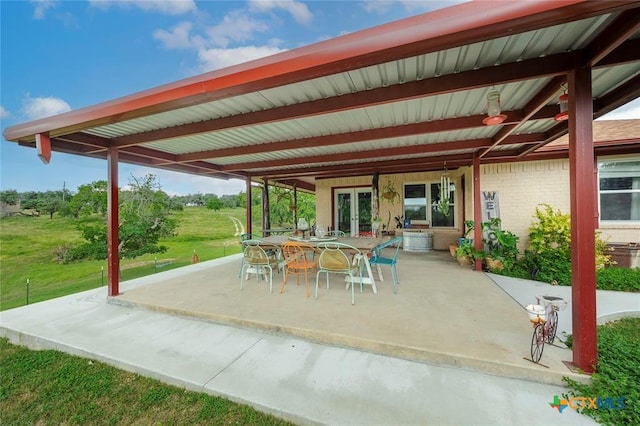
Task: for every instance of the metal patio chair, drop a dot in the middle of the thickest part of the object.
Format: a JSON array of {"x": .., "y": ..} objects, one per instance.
[
  {"x": 378, "y": 259},
  {"x": 339, "y": 258}
]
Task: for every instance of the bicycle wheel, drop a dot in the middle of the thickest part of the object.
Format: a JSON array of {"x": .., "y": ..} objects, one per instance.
[
  {"x": 537, "y": 343},
  {"x": 552, "y": 327}
]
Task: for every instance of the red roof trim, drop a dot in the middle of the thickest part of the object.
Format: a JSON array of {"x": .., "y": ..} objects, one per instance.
[{"x": 473, "y": 21}]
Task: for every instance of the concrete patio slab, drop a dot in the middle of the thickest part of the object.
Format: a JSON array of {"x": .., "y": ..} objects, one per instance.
[
  {"x": 293, "y": 378},
  {"x": 443, "y": 314}
]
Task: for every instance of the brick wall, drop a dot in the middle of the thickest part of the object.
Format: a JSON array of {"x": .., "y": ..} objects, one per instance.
[
  {"x": 520, "y": 186},
  {"x": 523, "y": 186}
]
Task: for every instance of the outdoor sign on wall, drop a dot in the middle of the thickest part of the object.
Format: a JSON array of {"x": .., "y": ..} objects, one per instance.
[{"x": 490, "y": 205}]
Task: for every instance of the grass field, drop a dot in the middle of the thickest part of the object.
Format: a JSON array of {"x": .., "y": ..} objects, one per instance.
[
  {"x": 54, "y": 388},
  {"x": 28, "y": 244}
]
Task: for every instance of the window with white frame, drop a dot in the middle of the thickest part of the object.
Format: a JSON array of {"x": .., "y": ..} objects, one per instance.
[
  {"x": 421, "y": 204},
  {"x": 619, "y": 187}
]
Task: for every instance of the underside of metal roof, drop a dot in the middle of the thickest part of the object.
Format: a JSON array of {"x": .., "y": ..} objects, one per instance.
[{"x": 402, "y": 97}]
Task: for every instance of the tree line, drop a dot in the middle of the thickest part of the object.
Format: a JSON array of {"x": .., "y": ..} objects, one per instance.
[{"x": 144, "y": 213}]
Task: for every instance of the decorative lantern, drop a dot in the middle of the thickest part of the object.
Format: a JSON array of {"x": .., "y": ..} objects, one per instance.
[
  {"x": 493, "y": 109},
  {"x": 563, "y": 100}
]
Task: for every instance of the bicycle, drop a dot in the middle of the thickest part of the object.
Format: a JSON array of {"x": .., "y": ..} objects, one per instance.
[{"x": 544, "y": 317}]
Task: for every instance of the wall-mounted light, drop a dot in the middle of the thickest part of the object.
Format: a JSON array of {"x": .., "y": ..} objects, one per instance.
[
  {"x": 494, "y": 115},
  {"x": 563, "y": 101}
]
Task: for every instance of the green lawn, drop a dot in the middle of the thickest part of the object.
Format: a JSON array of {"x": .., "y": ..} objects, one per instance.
[
  {"x": 28, "y": 245},
  {"x": 54, "y": 388}
]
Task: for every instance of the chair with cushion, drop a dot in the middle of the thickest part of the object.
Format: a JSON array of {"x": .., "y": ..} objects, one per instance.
[
  {"x": 257, "y": 260},
  {"x": 339, "y": 258},
  {"x": 299, "y": 259},
  {"x": 378, "y": 259}
]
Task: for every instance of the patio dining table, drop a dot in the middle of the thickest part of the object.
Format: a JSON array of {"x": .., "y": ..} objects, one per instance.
[{"x": 365, "y": 244}]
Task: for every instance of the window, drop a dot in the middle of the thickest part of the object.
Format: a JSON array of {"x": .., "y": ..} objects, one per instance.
[
  {"x": 417, "y": 197},
  {"x": 438, "y": 218},
  {"x": 415, "y": 202},
  {"x": 619, "y": 190}
]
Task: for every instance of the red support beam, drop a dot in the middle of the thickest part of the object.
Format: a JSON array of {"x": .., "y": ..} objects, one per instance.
[
  {"x": 583, "y": 269},
  {"x": 248, "y": 216},
  {"x": 43, "y": 146},
  {"x": 113, "y": 252},
  {"x": 266, "y": 217},
  {"x": 477, "y": 210}
]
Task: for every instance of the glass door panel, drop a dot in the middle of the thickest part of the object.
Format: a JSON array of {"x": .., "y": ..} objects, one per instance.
[{"x": 352, "y": 210}]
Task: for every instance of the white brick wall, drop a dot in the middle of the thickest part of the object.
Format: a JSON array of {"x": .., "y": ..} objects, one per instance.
[{"x": 521, "y": 187}]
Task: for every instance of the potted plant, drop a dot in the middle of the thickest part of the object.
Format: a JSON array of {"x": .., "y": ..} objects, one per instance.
[
  {"x": 376, "y": 224},
  {"x": 466, "y": 254},
  {"x": 502, "y": 246},
  {"x": 389, "y": 193}
]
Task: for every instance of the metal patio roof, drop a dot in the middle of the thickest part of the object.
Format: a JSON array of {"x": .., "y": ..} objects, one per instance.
[{"x": 402, "y": 97}]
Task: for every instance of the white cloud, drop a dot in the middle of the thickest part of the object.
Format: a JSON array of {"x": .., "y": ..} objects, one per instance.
[
  {"x": 625, "y": 112},
  {"x": 41, "y": 7},
  {"x": 166, "y": 7},
  {"x": 34, "y": 108},
  {"x": 178, "y": 38},
  {"x": 211, "y": 59},
  {"x": 299, "y": 11},
  {"x": 235, "y": 27},
  {"x": 4, "y": 113}
]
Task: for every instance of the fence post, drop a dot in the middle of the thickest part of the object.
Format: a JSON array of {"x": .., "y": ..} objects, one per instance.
[{"x": 27, "y": 291}]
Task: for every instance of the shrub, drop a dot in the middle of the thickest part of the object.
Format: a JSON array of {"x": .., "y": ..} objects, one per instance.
[
  {"x": 619, "y": 279},
  {"x": 548, "y": 257},
  {"x": 618, "y": 373}
]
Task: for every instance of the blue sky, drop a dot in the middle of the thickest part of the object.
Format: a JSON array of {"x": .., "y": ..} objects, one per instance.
[{"x": 64, "y": 55}]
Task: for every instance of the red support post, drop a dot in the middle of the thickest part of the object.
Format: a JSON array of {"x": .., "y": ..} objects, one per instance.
[
  {"x": 583, "y": 269},
  {"x": 248, "y": 218},
  {"x": 113, "y": 253},
  {"x": 477, "y": 210}
]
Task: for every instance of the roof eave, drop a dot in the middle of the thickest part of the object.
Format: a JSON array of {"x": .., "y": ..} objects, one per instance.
[{"x": 474, "y": 21}]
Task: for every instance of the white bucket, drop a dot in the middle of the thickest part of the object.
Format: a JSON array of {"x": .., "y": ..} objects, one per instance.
[{"x": 535, "y": 312}]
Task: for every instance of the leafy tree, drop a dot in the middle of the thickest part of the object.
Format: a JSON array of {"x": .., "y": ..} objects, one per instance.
[
  {"x": 10, "y": 196},
  {"x": 144, "y": 219},
  {"x": 230, "y": 201},
  {"x": 30, "y": 200},
  {"x": 90, "y": 198},
  {"x": 242, "y": 199},
  {"x": 214, "y": 203},
  {"x": 49, "y": 202}
]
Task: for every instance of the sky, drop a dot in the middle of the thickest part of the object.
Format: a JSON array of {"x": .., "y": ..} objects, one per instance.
[{"x": 58, "y": 56}]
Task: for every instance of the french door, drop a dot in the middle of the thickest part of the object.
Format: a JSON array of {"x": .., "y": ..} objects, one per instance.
[{"x": 352, "y": 210}]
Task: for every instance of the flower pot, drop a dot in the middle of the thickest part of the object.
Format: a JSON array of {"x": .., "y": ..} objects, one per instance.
[
  {"x": 465, "y": 261},
  {"x": 452, "y": 249},
  {"x": 494, "y": 264}
]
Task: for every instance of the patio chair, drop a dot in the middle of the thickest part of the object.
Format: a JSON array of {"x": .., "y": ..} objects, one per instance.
[
  {"x": 299, "y": 258},
  {"x": 271, "y": 251},
  {"x": 336, "y": 258},
  {"x": 257, "y": 260},
  {"x": 245, "y": 237},
  {"x": 378, "y": 259}
]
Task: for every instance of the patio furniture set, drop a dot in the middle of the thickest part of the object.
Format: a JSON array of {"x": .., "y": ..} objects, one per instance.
[{"x": 351, "y": 257}]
